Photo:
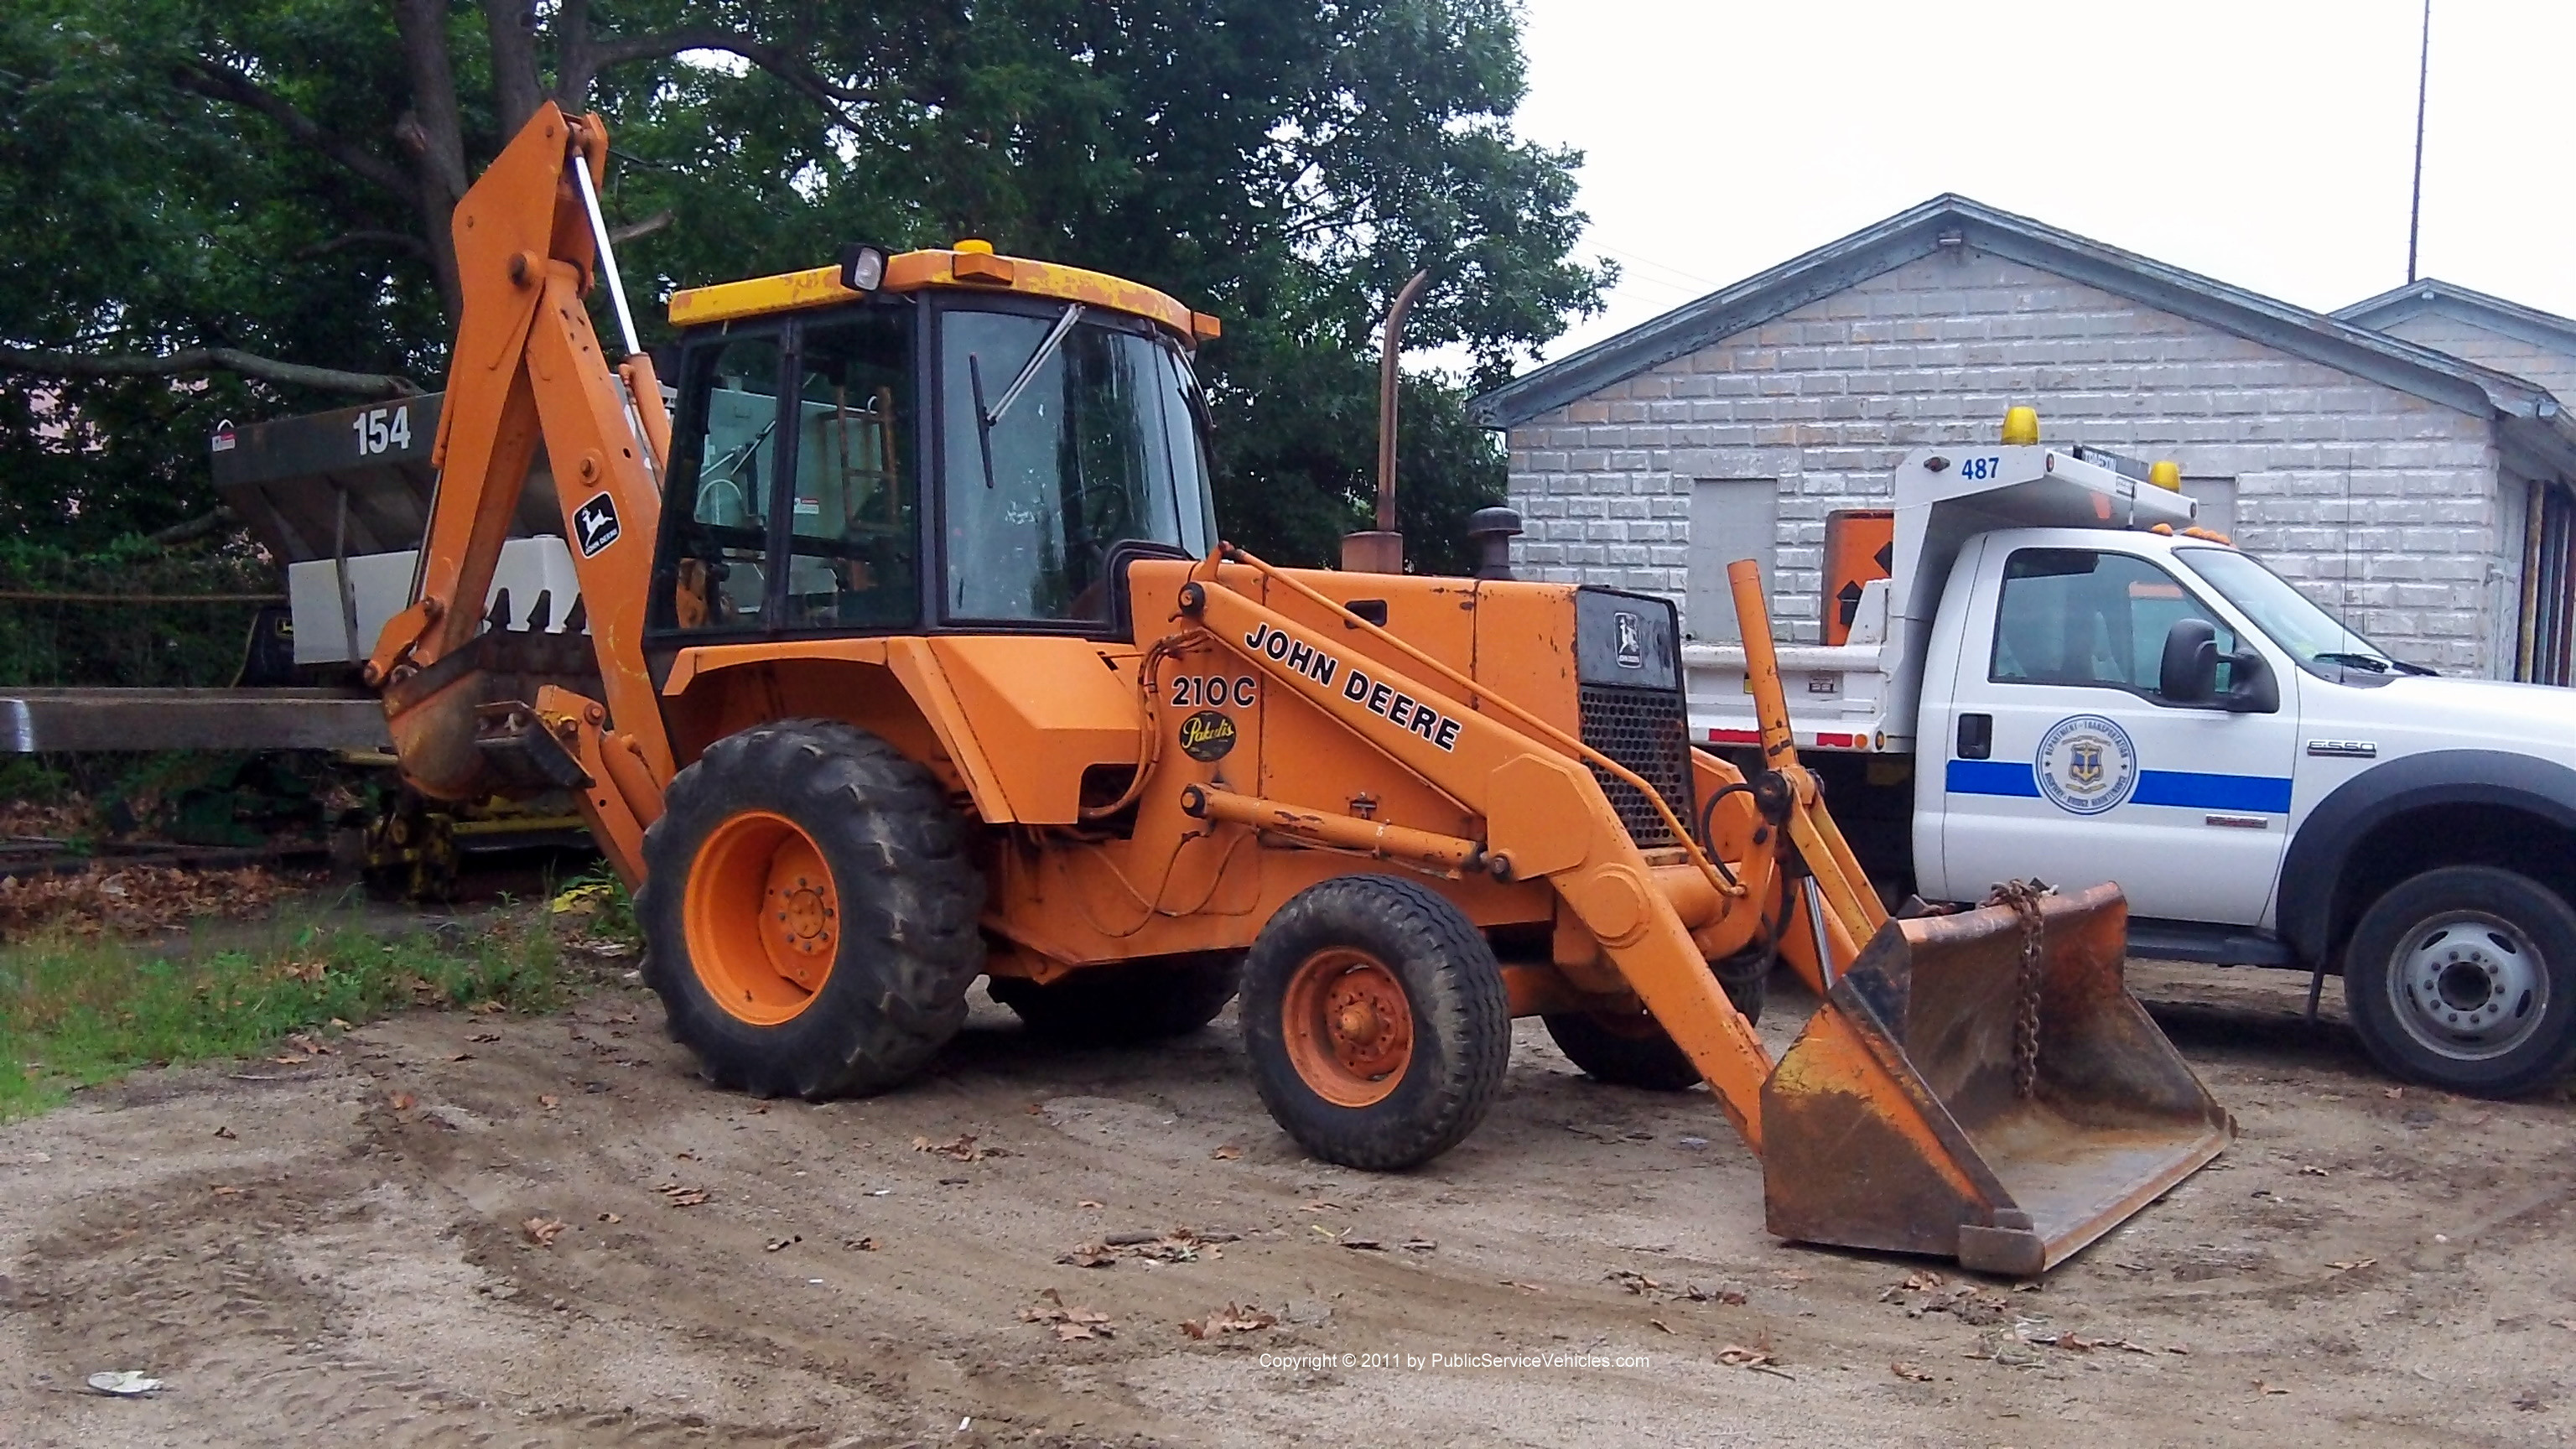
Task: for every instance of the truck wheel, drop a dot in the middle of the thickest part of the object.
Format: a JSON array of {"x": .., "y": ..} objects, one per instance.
[
  {"x": 809, "y": 914},
  {"x": 1128, "y": 1004},
  {"x": 2465, "y": 978},
  {"x": 1376, "y": 1022},
  {"x": 1630, "y": 1050}
]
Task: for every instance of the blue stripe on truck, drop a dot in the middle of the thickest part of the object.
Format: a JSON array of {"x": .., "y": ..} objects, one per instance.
[
  {"x": 2261, "y": 794},
  {"x": 2188, "y": 789}
]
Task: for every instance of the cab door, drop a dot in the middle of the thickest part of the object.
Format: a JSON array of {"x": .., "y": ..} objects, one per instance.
[{"x": 2065, "y": 762}]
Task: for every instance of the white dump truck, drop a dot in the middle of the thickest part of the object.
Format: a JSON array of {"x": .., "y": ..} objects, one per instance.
[{"x": 2056, "y": 675}]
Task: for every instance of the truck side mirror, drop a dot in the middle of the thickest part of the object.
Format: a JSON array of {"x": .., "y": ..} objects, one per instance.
[
  {"x": 2190, "y": 671},
  {"x": 2254, "y": 689}
]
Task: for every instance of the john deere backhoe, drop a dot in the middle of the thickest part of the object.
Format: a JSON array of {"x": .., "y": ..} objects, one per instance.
[{"x": 913, "y": 656}]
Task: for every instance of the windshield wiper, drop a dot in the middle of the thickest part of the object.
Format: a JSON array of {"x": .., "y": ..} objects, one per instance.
[
  {"x": 987, "y": 417},
  {"x": 2371, "y": 662}
]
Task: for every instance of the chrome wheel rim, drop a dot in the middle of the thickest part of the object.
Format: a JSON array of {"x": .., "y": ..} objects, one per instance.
[{"x": 2469, "y": 986}]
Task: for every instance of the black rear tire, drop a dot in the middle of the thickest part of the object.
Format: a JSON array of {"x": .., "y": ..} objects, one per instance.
[
  {"x": 1632, "y": 1051},
  {"x": 1128, "y": 1004},
  {"x": 2464, "y": 978},
  {"x": 1457, "y": 1018},
  {"x": 908, "y": 942}
]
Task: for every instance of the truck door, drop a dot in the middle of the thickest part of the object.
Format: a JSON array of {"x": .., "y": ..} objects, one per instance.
[{"x": 2065, "y": 762}]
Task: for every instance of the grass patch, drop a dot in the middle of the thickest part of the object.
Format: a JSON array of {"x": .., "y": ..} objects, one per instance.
[{"x": 76, "y": 1012}]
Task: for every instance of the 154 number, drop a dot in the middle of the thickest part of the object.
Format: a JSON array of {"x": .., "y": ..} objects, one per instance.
[{"x": 381, "y": 430}]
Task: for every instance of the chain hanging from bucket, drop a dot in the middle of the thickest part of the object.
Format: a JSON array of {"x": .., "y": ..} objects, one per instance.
[{"x": 2023, "y": 896}]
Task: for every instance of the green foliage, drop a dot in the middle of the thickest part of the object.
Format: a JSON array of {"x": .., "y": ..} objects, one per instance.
[
  {"x": 1284, "y": 164},
  {"x": 77, "y": 1012},
  {"x": 55, "y": 631}
]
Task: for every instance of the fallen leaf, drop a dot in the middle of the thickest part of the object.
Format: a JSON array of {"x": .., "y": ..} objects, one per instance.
[
  {"x": 1227, "y": 1152},
  {"x": 864, "y": 1245},
  {"x": 1086, "y": 1203},
  {"x": 1908, "y": 1372},
  {"x": 290, "y": 1060},
  {"x": 1366, "y": 1245},
  {"x": 2312, "y": 1172},
  {"x": 223, "y": 1189},
  {"x": 1659, "y": 1323},
  {"x": 542, "y": 1231},
  {"x": 2392, "y": 1094},
  {"x": 462, "y": 1057},
  {"x": 400, "y": 1101},
  {"x": 1736, "y": 1355},
  {"x": 1633, "y": 1282},
  {"x": 1069, "y": 1323},
  {"x": 2261, "y": 1387},
  {"x": 678, "y": 1196},
  {"x": 485, "y": 1036},
  {"x": 1420, "y": 1245},
  {"x": 1524, "y": 1287},
  {"x": 612, "y": 1217},
  {"x": 226, "y": 1133},
  {"x": 2353, "y": 1266},
  {"x": 1233, "y": 1318},
  {"x": 490, "y": 1008},
  {"x": 549, "y": 1100},
  {"x": 774, "y": 1244},
  {"x": 336, "y": 1024},
  {"x": 1321, "y": 1206}
]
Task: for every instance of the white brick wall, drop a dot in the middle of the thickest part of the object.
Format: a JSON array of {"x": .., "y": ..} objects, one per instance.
[
  {"x": 2379, "y": 504},
  {"x": 2550, "y": 367}
]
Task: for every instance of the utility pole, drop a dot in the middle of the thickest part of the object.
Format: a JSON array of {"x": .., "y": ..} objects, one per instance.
[{"x": 2415, "y": 203}]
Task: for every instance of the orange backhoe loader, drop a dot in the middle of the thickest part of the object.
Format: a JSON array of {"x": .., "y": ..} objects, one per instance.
[{"x": 912, "y": 655}]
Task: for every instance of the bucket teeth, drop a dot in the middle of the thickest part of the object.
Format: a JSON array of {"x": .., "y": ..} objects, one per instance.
[{"x": 1914, "y": 1115}]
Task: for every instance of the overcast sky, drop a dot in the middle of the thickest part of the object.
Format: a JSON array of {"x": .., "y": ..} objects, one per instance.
[{"x": 2266, "y": 143}]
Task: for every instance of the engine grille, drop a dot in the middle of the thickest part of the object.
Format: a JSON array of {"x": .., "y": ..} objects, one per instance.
[{"x": 1644, "y": 730}]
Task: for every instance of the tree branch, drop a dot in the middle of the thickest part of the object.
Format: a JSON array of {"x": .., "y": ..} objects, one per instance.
[
  {"x": 364, "y": 236},
  {"x": 621, "y": 235},
  {"x": 44, "y": 362},
  {"x": 218, "y": 81},
  {"x": 778, "y": 61}
]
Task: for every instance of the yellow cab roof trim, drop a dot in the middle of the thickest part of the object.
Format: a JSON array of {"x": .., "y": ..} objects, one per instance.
[{"x": 964, "y": 269}]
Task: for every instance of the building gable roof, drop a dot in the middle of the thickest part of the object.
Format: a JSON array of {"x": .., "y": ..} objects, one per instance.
[
  {"x": 1951, "y": 221},
  {"x": 2449, "y": 299}
]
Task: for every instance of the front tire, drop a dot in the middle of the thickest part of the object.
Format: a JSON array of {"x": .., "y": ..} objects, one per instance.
[
  {"x": 2465, "y": 978},
  {"x": 1631, "y": 1050},
  {"x": 810, "y": 917},
  {"x": 1376, "y": 1022}
]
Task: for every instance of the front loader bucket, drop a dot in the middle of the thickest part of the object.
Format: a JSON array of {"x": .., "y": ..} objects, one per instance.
[{"x": 1896, "y": 1121}]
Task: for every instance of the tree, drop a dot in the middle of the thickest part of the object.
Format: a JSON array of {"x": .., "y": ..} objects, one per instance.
[{"x": 212, "y": 190}]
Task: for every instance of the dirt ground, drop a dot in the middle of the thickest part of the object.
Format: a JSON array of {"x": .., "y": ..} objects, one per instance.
[{"x": 338, "y": 1251}]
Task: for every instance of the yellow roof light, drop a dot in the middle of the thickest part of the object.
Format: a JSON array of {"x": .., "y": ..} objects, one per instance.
[
  {"x": 2165, "y": 473},
  {"x": 975, "y": 245},
  {"x": 2021, "y": 427}
]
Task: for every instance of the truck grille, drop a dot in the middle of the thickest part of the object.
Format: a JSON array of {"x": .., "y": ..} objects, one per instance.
[{"x": 1644, "y": 730}]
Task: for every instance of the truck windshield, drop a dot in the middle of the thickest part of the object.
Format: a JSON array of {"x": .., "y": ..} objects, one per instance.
[
  {"x": 2321, "y": 643},
  {"x": 1100, "y": 445}
]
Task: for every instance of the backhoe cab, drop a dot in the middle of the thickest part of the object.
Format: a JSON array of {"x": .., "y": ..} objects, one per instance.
[{"x": 915, "y": 657}]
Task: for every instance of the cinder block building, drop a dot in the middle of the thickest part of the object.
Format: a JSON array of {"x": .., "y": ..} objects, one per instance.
[{"x": 2406, "y": 462}]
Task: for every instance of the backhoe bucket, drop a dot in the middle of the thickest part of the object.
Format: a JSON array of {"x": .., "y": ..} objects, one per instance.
[{"x": 1900, "y": 1121}]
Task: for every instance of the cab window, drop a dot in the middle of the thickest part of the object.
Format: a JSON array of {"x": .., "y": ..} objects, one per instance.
[
  {"x": 2086, "y": 618},
  {"x": 1063, "y": 435},
  {"x": 792, "y": 501}
]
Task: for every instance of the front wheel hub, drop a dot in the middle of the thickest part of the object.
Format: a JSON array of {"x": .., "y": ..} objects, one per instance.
[
  {"x": 2470, "y": 985},
  {"x": 1348, "y": 1027}
]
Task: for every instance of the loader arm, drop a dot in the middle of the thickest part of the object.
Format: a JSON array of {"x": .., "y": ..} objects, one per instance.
[
  {"x": 527, "y": 366},
  {"x": 1545, "y": 817},
  {"x": 1977, "y": 1085}
]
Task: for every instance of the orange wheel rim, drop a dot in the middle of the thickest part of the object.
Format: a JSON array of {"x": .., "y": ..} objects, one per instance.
[
  {"x": 762, "y": 918},
  {"x": 1349, "y": 1027}
]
